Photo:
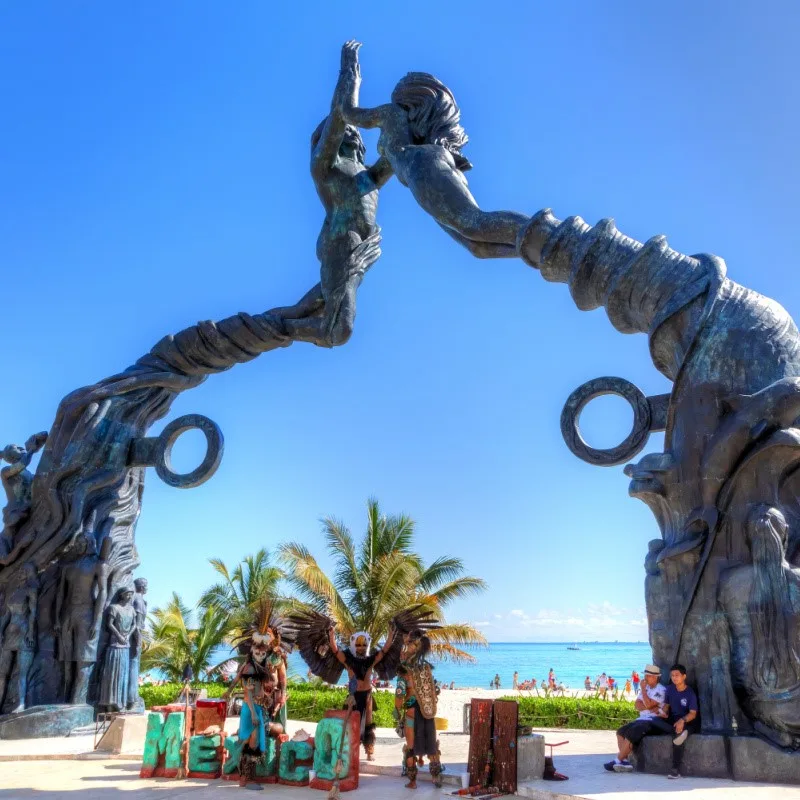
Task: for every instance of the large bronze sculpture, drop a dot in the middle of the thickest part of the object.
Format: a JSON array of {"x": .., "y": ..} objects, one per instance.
[{"x": 722, "y": 581}]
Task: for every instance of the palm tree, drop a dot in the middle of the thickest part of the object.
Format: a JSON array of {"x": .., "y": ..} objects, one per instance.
[
  {"x": 378, "y": 578},
  {"x": 240, "y": 589},
  {"x": 172, "y": 641}
]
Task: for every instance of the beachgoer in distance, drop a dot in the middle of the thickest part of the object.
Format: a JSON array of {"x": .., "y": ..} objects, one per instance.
[
  {"x": 587, "y": 684},
  {"x": 635, "y": 681},
  {"x": 627, "y": 689},
  {"x": 658, "y": 716},
  {"x": 515, "y": 681},
  {"x": 497, "y": 680},
  {"x": 422, "y": 139}
]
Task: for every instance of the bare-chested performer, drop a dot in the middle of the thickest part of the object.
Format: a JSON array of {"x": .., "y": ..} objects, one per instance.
[
  {"x": 349, "y": 243},
  {"x": 80, "y": 600}
]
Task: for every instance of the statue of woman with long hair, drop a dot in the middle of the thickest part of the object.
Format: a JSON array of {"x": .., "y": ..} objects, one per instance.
[
  {"x": 761, "y": 602},
  {"x": 422, "y": 139}
]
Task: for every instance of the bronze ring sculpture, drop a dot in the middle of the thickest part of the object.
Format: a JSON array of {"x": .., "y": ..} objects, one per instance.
[
  {"x": 156, "y": 451},
  {"x": 646, "y": 418}
]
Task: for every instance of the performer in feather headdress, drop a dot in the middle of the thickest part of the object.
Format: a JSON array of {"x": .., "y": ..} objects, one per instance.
[
  {"x": 316, "y": 640},
  {"x": 263, "y": 675},
  {"x": 415, "y": 704}
]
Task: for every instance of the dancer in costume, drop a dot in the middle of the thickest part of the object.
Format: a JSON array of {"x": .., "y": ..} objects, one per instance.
[
  {"x": 316, "y": 638},
  {"x": 263, "y": 677},
  {"x": 415, "y": 706},
  {"x": 359, "y": 663}
]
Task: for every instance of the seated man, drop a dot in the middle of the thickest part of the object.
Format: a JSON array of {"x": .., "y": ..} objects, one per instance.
[
  {"x": 661, "y": 710},
  {"x": 651, "y": 705},
  {"x": 682, "y": 706}
]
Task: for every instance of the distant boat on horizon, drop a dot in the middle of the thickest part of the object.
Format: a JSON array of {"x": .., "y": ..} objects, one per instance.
[{"x": 573, "y": 647}]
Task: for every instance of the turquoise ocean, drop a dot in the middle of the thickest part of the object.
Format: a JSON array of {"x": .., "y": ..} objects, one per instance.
[{"x": 534, "y": 660}]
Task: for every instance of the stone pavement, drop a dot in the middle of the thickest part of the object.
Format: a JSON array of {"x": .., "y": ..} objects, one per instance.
[
  {"x": 117, "y": 780},
  {"x": 97, "y": 777}
]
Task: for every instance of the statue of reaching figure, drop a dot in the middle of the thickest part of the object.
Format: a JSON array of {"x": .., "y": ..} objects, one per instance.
[
  {"x": 17, "y": 482},
  {"x": 421, "y": 138},
  {"x": 349, "y": 242}
]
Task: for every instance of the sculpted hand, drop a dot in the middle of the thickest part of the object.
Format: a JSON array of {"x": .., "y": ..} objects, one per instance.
[
  {"x": 36, "y": 442},
  {"x": 350, "y": 58}
]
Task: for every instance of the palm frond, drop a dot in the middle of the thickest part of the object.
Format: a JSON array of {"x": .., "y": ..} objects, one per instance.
[{"x": 460, "y": 587}]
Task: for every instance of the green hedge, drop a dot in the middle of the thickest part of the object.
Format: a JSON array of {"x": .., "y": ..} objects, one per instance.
[
  {"x": 307, "y": 702},
  {"x": 166, "y": 693},
  {"x": 574, "y": 712}
]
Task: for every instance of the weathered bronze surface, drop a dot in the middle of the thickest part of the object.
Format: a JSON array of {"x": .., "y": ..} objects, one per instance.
[{"x": 722, "y": 586}]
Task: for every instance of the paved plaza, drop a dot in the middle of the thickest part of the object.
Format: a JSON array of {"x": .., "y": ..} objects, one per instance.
[{"x": 55, "y": 768}]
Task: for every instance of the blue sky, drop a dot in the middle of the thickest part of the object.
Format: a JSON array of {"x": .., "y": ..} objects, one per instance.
[{"x": 154, "y": 167}]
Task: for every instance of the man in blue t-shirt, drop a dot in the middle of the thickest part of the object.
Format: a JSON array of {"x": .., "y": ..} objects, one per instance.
[{"x": 681, "y": 702}]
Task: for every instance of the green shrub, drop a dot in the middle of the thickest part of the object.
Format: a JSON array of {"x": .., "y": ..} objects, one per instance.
[
  {"x": 307, "y": 701},
  {"x": 574, "y": 712}
]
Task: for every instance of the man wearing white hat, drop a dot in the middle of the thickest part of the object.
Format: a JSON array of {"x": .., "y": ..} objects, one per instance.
[{"x": 651, "y": 705}]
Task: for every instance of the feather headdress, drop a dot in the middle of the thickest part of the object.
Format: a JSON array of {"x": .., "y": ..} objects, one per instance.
[{"x": 267, "y": 628}]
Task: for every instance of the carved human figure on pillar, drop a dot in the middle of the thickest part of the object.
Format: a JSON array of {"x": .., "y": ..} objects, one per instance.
[
  {"x": 17, "y": 482},
  {"x": 140, "y": 609},
  {"x": 80, "y": 600},
  {"x": 18, "y": 637},
  {"x": 761, "y": 602},
  {"x": 422, "y": 139},
  {"x": 121, "y": 624}
]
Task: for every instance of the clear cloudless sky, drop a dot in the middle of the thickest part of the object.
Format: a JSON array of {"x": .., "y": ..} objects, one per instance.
[{"x": 154, "y": 172}]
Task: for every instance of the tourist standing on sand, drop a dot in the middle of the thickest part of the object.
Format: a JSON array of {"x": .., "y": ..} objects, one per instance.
[
  {"x": 497, "y": 680},
  {"x": 635, "y": 679},
  {"x": 587, "y": 684},
  {"x": 515, "y": 682}
]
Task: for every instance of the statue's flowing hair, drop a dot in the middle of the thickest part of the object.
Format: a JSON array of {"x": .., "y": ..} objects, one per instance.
[
  {"x": 433, "y": 114},
  {"x": 774, "y": 654}
]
